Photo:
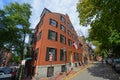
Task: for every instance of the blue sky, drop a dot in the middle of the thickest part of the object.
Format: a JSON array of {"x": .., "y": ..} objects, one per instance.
[{"x": 59, "y": 6}]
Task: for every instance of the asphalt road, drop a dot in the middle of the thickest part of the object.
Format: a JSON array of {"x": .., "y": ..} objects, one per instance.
[{"x": 97, "y": 72}]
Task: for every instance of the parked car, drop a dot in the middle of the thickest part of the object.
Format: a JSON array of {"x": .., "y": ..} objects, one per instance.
[
  {"x": 116, "y": 64},
  {"x": 6, "y": 73},
  {"x": 108, "y": 61}
]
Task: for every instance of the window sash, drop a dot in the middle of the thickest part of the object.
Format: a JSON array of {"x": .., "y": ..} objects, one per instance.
[
  {"x": 53, "y": 22},
  {"x": 62, "y": 39},
  {"x": 69, "y": 42},
  {"x": 63, "y": 55},
  {"x": 62, "y": 19},
  {"x": 52, "y": 51},
  {"x": 52, "y": 35},
  {"x": 62, "y": 28}
]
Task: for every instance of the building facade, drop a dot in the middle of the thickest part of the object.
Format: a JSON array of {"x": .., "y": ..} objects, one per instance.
[
  {"x": 4, "y": 58},
  {"x": 56, "y": 46}
]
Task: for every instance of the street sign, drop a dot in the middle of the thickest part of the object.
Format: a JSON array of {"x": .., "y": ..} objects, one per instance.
[{"x": 27, "y": 58}]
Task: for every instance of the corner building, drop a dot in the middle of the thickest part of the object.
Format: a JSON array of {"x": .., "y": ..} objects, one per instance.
[{"x": 53, "y": 47}]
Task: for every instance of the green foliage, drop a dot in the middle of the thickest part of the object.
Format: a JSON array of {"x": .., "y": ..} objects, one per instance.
[
  {"x": 115, "y": 38},
  {"x": 14, "y": 25},
  {"x": 15, "y": 58},
  {"x": 104, "y": 18}
]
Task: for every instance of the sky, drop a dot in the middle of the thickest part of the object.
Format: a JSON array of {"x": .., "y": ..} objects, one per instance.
[{"x": 59, "y": 6}]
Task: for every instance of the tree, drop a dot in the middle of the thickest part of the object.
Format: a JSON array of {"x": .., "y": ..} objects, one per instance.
[
  {"x": 14, "y": 25},
  {"x": 103, "y": 17}
]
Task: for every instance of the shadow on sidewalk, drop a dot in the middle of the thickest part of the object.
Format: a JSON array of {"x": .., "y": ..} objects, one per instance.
[{"x": 103, "y": 71}]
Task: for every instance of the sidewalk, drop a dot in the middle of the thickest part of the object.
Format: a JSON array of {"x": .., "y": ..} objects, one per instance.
[
  {"x": 65, "y": 75},
  {"x": 68, "y": 74}
]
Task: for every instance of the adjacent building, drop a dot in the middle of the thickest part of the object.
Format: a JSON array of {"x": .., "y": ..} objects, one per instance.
[
  {"x": 4, "y": 58},
  {"x": 55, "y": 45}
]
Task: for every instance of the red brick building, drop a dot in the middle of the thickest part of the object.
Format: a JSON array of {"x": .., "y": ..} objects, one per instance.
[
  {"x": 4, "y": 58},
  {"x": 55, "y": 45}
]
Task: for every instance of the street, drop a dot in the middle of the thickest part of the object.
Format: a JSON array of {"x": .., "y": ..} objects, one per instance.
[{"x": 97, "y": 71}]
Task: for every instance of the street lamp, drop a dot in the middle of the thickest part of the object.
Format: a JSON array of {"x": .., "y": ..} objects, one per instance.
[{"x": 64, "y": 51}]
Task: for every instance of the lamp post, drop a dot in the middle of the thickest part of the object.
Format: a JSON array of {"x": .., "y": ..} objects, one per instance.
[{"x": 64, "y": 51}]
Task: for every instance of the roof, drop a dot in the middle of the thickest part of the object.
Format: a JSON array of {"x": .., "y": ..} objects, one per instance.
[{"x": 45, "y": 10}]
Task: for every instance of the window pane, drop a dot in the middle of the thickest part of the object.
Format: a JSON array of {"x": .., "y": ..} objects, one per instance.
[
  {"x": 69, "y": 42},
  {"x": 62, "y": 39},
  {"x": 52, "y": 35},
  {"x": 62, "y": 19},
  {"x": 53, "y": 22},
  {"x": 52, "y": 51},
  {"x": 63, "y": 55},
  {"x": 69, "y": 33},
  {"x": 62, "y": 28},
  {"x": 75, "y": 56},
  {"x": 68, "y": 24}
]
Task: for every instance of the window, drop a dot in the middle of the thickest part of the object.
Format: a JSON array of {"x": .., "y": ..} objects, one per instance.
[
  {"x": 36, "y": 54},
  {"x": 72, "y": 27},
  {"x": 53, "y": 22},
  {"x": 62, "y": 28},
  {"x": 63, "y": 68},
  {"x": 68, "y": 24},
  {"x": 73, "y": 36},
  {"x": 50, "y": 71},
  {"x": 39, "y": 36},
  {"x": 62, "y": 39},
  {"x": 75, "y": 56},
  {"x": 69, "y": 42},
  {"x": 52, "y": 51},
  {"x": 52, "y": 35},
  {"x": 69, "y": 33},
  {"x": 62, "y": 19},
  {"x": 63, "y": 55}
]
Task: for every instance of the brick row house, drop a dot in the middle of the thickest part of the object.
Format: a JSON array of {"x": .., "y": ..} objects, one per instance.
[
  {"x": 55, "y": 44},
  {"x": 5, "y": 57}
]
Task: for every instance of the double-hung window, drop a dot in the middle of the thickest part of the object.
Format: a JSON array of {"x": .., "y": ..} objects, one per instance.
[
  {"x": 62, "y": 39},
  {"x": 63, "y": 55},
  {"x": 62, "y": 28},
  {"x": 53, "y": 52},
  {"x": 70, "y": 42},
  {"x": 62, "y": 19},
  {"x": 52, "y": 35},
  {"x": 75, "y": 56},
  {"x": 53, "y": 22}
]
